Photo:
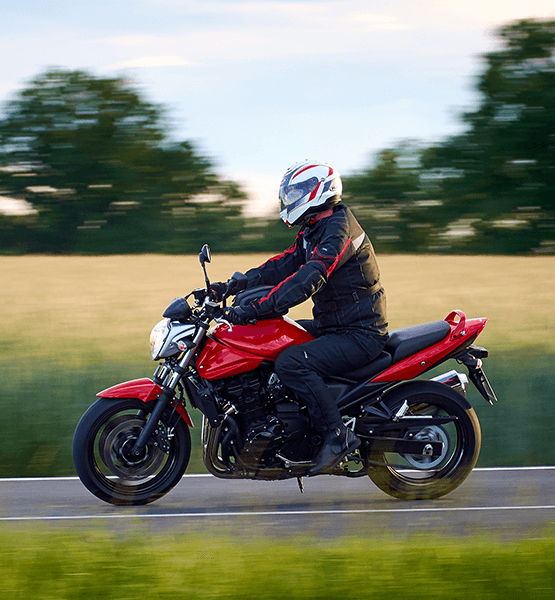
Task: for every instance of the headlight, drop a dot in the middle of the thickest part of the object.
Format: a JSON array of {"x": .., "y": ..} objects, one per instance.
[{"x": 158, "y": 337}]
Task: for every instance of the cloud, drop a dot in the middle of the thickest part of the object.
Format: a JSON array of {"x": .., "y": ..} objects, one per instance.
[
  {"x": 328, "y": 15},
  {"x": 262, "y": 190},
  {"x": 365, "y": 22},
  {"x": 245, "y": 30},
  {"x": 481, "y": 14},
  {"x": 262, "y": 31},
  {"x": 131, "y": 41},
  {"x": 147, "y": 62}
]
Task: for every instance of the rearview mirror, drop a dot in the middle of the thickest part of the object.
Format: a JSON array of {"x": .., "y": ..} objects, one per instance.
[{"x": 204, "y": 255}]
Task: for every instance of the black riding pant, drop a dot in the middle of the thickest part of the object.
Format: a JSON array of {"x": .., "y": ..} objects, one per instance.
[{"x": 302, "y": 368}]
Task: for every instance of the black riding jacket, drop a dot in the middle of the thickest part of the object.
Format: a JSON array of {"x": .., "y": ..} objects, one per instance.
[{"x": 332, "y": 260}]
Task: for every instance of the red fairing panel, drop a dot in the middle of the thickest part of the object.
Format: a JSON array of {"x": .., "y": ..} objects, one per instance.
[
  {"x": 144, "y": 389},
  {"x": 414, "y": 365},
  {"x": 267, "y": 339},
  {"x": 217, "y": 361}
]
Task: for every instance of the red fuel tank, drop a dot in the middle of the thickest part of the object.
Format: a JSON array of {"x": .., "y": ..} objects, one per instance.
[
  {"x": 266, "y": 339},
  {"x": 244, "y": 347}
]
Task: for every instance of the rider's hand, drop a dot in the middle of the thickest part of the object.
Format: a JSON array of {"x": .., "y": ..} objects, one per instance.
[
  {"x": 218, "y": 289},
  {"x": 239, "y": 315},
  {"x": 236, "y": 283}
]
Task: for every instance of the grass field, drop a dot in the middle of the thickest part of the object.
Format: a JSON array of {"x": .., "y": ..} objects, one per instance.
[
  {"x": 74, "y": 325},
  {"x": 95, "y": 564}
]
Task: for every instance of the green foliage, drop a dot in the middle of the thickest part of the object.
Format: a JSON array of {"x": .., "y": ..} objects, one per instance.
[
  {"x": 490, "y": 189},
  {"x": 392, "y": 203},
  {"x": 41, "y": 410},
  {"x": 95, "y": 160},
  {"x": 67, "y": 564},
  {"x": 505, "y": 176}
]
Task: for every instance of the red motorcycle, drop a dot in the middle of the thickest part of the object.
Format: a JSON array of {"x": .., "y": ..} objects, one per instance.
[{"x": 420, "y": 437}]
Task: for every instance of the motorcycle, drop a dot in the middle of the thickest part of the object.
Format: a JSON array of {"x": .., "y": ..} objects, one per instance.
[{"x": 420, "y": 438}]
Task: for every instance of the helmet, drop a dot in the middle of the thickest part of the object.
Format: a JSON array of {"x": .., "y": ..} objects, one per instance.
[{"x": 307, "y": 188}]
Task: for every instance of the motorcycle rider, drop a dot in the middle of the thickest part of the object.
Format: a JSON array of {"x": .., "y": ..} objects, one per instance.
[{"x": 331, "y": 261}]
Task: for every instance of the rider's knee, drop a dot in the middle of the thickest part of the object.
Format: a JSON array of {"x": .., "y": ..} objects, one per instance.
[{"x": 288, "y": 363}]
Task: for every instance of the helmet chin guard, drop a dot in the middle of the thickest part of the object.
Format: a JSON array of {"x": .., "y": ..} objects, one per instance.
[{"x": 307, "y": 188}]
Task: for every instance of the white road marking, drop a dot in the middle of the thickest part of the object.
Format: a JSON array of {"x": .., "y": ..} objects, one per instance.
[
  {"x": 73, "y": 478},
  {"x": 275, "y": 513},
  {"x": 272, "y": 513}
]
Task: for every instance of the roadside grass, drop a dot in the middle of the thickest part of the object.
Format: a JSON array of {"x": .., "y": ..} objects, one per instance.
[
  {"x": 97, "y": 564},
  {"x": 42, "y": 406},
  {"x": 72, "y": 326}
]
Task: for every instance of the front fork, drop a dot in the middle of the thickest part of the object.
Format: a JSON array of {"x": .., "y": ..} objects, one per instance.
[{"x": 168, "y": 392}]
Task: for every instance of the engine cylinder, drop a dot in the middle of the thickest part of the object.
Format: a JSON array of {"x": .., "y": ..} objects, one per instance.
[{"x": 244, "y": 392}]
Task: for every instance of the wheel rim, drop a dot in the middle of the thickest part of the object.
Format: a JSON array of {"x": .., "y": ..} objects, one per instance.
[
  {"x": 115, "y": 448},
  {"x": 433, "y": 433},
  {"x": 112, "y": 459},
  {"x": 420, "y": 468}
]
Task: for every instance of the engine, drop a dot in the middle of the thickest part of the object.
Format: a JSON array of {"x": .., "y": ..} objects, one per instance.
[{"x": 267, "y": 422}]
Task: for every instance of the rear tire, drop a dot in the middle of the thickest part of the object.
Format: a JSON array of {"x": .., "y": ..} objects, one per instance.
[
  {"x": 417, "y": 477},
  {"x": 101, "y": 456}
]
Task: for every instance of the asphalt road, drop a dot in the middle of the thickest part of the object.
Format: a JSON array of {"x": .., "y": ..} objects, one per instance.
[{"x": 508, "y": 503}]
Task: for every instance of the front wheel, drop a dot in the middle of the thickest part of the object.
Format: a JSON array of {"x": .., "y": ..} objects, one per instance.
[
  {"x": 414, "y": 477},
  {"x": 103, "y": 459}
]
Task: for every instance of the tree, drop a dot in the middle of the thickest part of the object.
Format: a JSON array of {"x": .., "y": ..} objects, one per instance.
[
  {"x": 95, "y": 159},
  {"x": 390, "y": 200},
  {"x": 490, "y": 189},
  {"x": 498, "y": 178}
]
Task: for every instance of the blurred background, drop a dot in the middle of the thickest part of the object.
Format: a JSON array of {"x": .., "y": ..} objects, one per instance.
[{"x": 166, "y": 125}]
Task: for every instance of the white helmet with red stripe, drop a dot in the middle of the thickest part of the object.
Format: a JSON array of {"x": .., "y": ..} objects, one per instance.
[{"x": 307, "y": 188}]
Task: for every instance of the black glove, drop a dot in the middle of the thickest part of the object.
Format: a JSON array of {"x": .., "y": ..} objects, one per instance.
[
  {"x": 240, "y": 315},
  {"x": 218, "y": 289},
  {"x": 236, "y": 283}
]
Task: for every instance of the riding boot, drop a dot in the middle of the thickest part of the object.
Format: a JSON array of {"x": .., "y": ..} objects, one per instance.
[{"x": 335, "y": 446}]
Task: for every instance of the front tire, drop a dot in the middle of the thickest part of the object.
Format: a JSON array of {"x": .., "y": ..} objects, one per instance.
[
  {"x": 417, "y": 477},
  {"x": 102, "y": 458}
]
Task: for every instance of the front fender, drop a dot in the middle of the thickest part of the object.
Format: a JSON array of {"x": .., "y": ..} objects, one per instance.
[{"x": 144, "y": 389}]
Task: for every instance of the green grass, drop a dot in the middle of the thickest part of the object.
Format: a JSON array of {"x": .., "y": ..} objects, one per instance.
[
  {"x": 72, "y": 326},
  {"x": 41, "y": 409},
  {"x": 96, "y": 564}
]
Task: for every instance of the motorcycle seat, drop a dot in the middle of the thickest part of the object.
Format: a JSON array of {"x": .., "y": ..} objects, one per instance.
[
  {"x": 372, "y": 368},
  {"x": 409, "y": 340}
]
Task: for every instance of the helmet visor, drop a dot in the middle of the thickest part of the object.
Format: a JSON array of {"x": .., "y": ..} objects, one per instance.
[{"x": 292, "y": 195}]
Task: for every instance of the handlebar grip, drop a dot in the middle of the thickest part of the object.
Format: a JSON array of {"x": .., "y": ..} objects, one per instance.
[{"x": 236, "y": 283}]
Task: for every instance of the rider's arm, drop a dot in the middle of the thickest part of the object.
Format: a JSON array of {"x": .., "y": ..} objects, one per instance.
[
  {"x": 277, "y": 268},
  {"x": 333, "y": 249}
]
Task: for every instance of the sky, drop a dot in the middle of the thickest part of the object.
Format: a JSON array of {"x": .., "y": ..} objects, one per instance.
[{"x": 260, "y": 85}]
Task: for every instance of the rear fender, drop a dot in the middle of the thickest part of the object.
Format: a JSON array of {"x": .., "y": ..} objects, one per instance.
[
  {"x": 400, "y": 392},
  {"x": 144, "y": 389}
]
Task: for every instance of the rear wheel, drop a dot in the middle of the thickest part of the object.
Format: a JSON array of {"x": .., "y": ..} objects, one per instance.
[
  {"x": 105, "y": 463},
  {"x": 417, "y": 476}
]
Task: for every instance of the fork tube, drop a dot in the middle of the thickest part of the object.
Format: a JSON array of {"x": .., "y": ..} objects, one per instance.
[{"x": 168, "y": 392}]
